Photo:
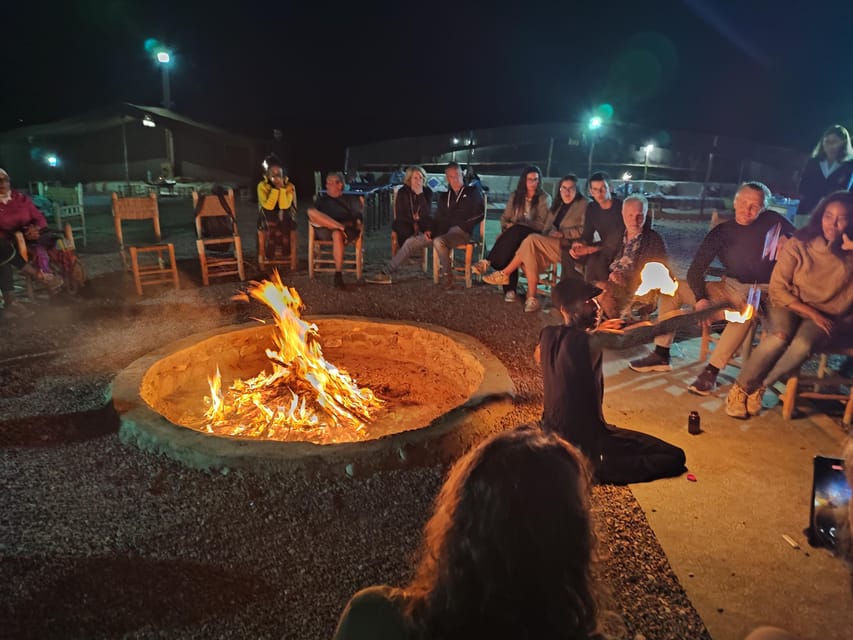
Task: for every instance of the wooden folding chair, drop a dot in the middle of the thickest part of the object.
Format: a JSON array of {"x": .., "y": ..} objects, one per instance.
[
  {"x": 322, "y": 260},
  {"x": 803, "y": 385},
  {"x": 151, "y": 273},
  {"x": 476, "y": 245},
  {"x": 222, "y": 265},
  {"x": 67, "y": 207}
]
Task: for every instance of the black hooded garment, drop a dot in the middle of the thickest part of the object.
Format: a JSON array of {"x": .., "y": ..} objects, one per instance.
[{"x": 574, "y": 391}]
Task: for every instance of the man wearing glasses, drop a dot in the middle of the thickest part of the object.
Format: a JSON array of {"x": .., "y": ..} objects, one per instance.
[{"x": 604, "y": 216}]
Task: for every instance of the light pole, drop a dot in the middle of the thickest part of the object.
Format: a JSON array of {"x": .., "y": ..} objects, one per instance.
[
  {"x": 593, "y": 126},
  {"x": 647, "y": 149},
  {"x": 164, "y": 59}
]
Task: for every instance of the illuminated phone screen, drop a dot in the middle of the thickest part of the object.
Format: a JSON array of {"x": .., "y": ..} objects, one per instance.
[{"x": 830, "y": 501}]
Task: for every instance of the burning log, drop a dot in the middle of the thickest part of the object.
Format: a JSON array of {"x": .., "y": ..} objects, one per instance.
[{"x": 303, "y": 391}]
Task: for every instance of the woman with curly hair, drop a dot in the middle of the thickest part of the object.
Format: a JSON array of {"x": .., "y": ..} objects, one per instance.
[
  {"x": 507, "y": 552},
  {"x": 811, "y": 291}
]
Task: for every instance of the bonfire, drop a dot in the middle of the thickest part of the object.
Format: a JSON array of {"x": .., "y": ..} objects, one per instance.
[{"x": 302, "y": 392}]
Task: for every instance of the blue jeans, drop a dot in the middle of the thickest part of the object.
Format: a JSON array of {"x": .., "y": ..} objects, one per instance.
[{"x": 787, "y": 345}]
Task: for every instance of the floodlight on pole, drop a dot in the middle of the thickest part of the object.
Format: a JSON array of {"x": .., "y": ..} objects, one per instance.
[
  {"x": 647, "y": 150},
  {"x": 595, "y": 122},
  {"x": 52, "y": 160},
  {"x": 594, "y": 125}
]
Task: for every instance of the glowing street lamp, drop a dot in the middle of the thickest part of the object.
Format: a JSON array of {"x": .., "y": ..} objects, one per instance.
[
  {"x": 594, "y": 125},
  {"x": 164, "y": 59},
  {"x": 52, "y": 160},
  {"x": 647, "y": 150}
]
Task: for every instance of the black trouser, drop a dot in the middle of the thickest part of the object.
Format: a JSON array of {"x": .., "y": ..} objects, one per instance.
[
  {"x": 9, "y": 257},
  {"x": 503, "y": 251}
]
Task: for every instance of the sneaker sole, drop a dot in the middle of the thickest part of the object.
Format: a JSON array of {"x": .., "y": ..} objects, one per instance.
[
  {"x": 653, "y": 367},
  {"x": 738, "y": 416},
  {"x": 697, "y": 391},
  {"x": 368, "y": 281}
]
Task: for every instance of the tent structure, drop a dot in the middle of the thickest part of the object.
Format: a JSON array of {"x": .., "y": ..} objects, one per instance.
[{"x": 130, "y": 142}]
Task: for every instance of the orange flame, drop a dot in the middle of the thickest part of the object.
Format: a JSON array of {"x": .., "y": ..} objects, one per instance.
[
  {"x": 303, "y": 391},
  {"x": 737, "y": 316},
  {"x": 656, "y": 276}
]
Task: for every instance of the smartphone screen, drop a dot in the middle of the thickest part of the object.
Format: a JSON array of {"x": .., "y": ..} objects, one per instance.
[{"x": 830, "y": 502}]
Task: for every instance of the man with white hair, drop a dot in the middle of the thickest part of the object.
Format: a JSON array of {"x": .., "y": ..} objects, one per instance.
[{"x": 741, "y": 246}]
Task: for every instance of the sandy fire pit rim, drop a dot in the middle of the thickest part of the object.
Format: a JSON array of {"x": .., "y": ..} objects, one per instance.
[{"x": 149, "y": 430}]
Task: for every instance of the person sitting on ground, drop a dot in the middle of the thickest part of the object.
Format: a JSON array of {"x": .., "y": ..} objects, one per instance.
[
  {"x": 741, "y": 246},
  {"x": 811, "y": 290},
  {"x": 526, "y": 212},
  {"x": 604, "y": 217},
  {"x": 639, "y": 246},
  {"x": 507, "y": 553},
  {"x": 338, "y": 218},
  {"x": 18, "y": 213},
  {"x": 571, "y": 361},
  {"x": 460, "y": 208},
  {"x": 539, "y": 251},
  {"x": 277, "y": 203}
]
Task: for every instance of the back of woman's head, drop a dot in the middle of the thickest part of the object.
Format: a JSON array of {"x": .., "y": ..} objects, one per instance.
[{"x": 508, "y": 550}]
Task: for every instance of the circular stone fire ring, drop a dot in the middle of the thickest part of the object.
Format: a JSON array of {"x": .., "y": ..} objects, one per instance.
[{"x": 443, "y": 390}]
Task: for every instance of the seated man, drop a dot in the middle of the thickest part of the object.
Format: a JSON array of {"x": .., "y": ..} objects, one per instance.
[
  {"x": 602, "y": 216},
  {"x": 740, "y": 245},
  {"x": 460, "y": 208},
  {"x": 638, "y": 247},
  {"x": 338, "y": 217}
]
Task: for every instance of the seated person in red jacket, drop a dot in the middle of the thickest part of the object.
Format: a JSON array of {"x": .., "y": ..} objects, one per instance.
[
  {"x": 18, "y": 213},
  {"x": 573, "y": 379}
]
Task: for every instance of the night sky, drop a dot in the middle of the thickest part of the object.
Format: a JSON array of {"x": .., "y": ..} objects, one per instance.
[{"x": 329, "y": 76}]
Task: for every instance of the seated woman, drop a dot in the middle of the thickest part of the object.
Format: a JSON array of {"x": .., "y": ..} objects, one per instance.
[
  {"x": 526, "y": 212},
  {"x": 277, "y": 203},
  {"x": 571, "y": 361},
  {"x": 538, "y": 251},
  {"x": 18, "y": 213},
  {"x": 811, "y": 291},
  {"x": 504, "y": 555},
  {"x": 412, "y": 206}
]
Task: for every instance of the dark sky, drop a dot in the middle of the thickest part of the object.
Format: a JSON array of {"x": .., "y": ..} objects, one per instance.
[{"x": 767, "y": 70}]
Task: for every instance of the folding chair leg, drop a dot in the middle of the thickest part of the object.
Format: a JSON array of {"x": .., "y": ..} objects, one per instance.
[
  {"x": 293, "y": 256},
  {"x": 174, "y": 266},
  {"x": 789, "y": 397},
  {"x": 202, "y": 258},
  {"x": 469, "y": 254},
  {"x": 238, "y": 253},
  {"x": 134, "y": 264}
]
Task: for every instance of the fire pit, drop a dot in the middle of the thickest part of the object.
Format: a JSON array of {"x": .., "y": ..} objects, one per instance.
[{"x": 438, "y": 391}]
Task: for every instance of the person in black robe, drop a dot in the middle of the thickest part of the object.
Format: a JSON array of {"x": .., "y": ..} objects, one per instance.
[{"x": 571, "y": 363}]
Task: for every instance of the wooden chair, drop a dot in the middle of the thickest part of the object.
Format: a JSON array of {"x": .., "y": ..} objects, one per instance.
[
  {"x": 547, "y": 280},
  {"x": 424, "y": 261},
  {"x": 802, "y": 385},
  {"x": 217, "y": 266},
  {"x": 67, "y": 207},
  {"x": 21, "y": 246},
  {"x": 322, "y": 260},
  {"x": 468, "y": 249},
  {"x": 263, "y": 262},
  {"x": 151, "y": 273}
]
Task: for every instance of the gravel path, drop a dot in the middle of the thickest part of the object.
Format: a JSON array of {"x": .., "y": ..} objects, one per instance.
[{"x": 98, "y": 540}]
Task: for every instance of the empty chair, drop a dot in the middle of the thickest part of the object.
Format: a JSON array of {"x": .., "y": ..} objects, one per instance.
[
  {"x": 67, "y": 207},
  {"x": 824, "y": 385},
  {"x": 146, "y": 272},
  {"x": 220, "y": 250}
]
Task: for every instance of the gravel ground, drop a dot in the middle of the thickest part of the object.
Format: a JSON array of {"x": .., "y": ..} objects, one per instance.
[{"x": 98, "y": 540}]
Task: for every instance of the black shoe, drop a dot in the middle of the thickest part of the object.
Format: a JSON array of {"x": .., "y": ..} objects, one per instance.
[{"x": 339, "y": 282}]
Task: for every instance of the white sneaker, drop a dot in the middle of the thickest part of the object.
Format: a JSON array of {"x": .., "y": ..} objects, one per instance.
[
  {"x": 531, "y": 305},
  {"x": 510, "y": 296}
]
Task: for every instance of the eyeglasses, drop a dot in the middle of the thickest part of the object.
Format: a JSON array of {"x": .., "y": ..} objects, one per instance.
[{"x": 568, "y": 189}]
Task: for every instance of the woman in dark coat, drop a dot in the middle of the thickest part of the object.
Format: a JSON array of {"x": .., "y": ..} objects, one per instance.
[{"x": 829, "y": 169}]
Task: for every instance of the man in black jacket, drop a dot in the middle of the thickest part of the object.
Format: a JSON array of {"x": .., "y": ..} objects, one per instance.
[
  {"x": 460, "y": 209},
  {"x": 746, "y": 247}
]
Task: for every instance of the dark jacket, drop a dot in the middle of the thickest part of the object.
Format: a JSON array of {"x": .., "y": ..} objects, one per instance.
[
  {"x": 463, "y": 209},
  {"x": 813, "y": 185},
  {"x": 405, "y": 203}
]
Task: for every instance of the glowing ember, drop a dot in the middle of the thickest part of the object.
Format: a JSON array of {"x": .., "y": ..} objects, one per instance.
[
  {"x": 303, "y": 392},
  {"x": 655, "y": 276}
]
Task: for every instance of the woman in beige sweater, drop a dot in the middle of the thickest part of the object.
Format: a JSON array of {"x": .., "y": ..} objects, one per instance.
[{"x": 811, "y": 290}]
